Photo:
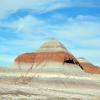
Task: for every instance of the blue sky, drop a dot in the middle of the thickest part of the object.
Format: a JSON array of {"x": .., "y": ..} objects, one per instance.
[{"x": 26, "y": 24}]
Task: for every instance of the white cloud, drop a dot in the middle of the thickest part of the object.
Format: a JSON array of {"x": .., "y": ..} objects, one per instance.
[
  {"x": 28, "y": 24},
  {"x": 39, "y": 6},
  {"x": 79, "y": 27},
  {"x": 75, "y": 28}
]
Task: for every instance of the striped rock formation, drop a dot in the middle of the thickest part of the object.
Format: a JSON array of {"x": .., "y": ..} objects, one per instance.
[
  {"x": 51, "y": 52},
  {"x": 88, "y": 67},
  {"x": 53, "y": 55}
]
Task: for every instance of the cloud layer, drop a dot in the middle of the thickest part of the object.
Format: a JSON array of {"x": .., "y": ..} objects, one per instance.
[{"x": 41, "y": 6}]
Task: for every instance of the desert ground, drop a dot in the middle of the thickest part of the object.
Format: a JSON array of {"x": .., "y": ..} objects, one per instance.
[{"x": 58, "y": 84}]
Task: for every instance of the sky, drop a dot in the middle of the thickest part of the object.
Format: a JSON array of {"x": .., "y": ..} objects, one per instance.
[{"x": 26, "y": 24}]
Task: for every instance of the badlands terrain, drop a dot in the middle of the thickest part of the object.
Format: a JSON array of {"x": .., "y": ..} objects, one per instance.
[
  {"x": 61, "y": 83},
  {"x": 50, "y": 73}
]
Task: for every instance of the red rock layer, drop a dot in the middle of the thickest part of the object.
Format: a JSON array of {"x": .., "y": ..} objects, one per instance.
[
  {"x": 40, "y": 57},
  {"x": 27, "y": 58},
  {"x": 90, "y": 68},
  {"x": 46, "y": 56}
]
